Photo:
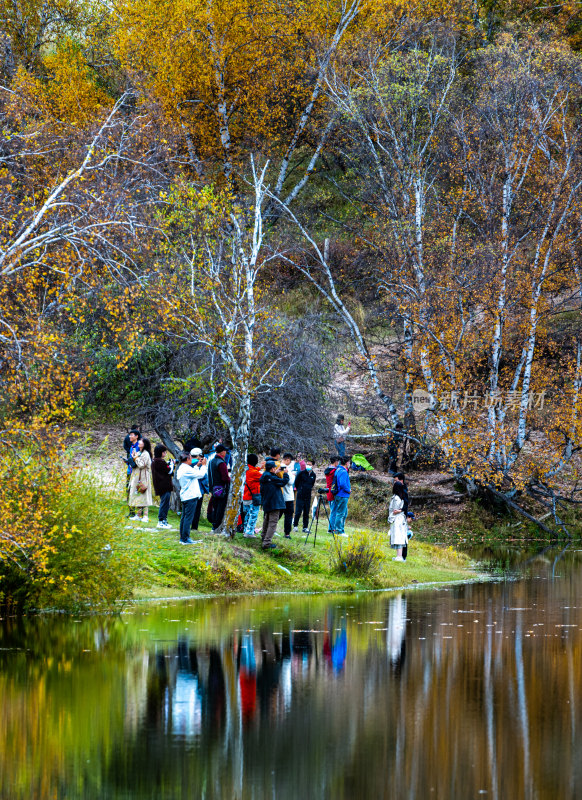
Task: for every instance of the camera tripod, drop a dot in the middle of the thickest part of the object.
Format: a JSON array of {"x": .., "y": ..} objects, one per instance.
[{"x": 321, "y": 503}]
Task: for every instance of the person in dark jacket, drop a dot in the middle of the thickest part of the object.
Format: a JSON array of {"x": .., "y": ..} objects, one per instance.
[
  {"x": 219, "y": 484},
  {"x": 273, "y": 502},
  {"x": 162, "y": 477},
  {"x": 303, "y": 486}
]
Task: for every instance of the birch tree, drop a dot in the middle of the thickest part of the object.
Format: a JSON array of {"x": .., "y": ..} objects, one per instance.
[
  {"x": 238, "y": 77},
  {"x": 212, "y": 296}
]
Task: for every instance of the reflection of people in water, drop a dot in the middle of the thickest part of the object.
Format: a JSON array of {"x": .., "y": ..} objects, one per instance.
[
  {"x": 215, "y": 696},
  {"x": 396, "y": 636},
  {"x": 339, "y": 648},
  {"x": 269, "y": 673},
  {"x": 247, "y": 679},
  {"x": 185, "y": 711},
  {"x": 186, "y": 691},
  {"x": 335, "y": 643}
]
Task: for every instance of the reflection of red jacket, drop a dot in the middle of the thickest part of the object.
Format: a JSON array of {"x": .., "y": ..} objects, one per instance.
[
  {"x": 248, "y": 694},
  {"x": 329, "y": 473},
  {"x": 252, "y": 482}
]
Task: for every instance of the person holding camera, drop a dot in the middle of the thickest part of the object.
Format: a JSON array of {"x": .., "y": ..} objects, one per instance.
[
  {"x": 341, "y": 490},
  {"x": 304, "y": 485},
  {"x": 131, "y": 449},
  {"x": 289, "y": 492},
  {"x": 197, "y": 455},
  {"x": 273, "y": 501},
  {"x": 339, "y": 434},
  {"x": 189, "y": 473},
  {"x": 251, "y": 495}
]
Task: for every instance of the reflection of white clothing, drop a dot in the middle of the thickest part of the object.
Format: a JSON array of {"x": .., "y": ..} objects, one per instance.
[
  {"x": 398, "y": 526},
  {"x": 396, "y": 626},
  {"x": 184, "y": 708}
]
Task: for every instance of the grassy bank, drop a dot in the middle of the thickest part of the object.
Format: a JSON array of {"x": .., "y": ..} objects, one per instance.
[{"x": 215, "y": 565}]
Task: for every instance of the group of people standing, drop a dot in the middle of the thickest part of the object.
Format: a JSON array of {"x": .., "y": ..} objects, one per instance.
[
  {"x": 195, "y": 476},
  {"x": 282, "y": 485}
]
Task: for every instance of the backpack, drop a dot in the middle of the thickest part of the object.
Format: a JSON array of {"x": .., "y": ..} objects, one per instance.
[{"x": 334, "y": 488}]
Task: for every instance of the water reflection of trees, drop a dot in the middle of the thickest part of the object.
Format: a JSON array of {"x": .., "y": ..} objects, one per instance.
[{"x": 444, "y": 694}]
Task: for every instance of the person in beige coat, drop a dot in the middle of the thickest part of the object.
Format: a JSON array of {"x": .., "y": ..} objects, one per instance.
[{"x": 142, "y": 473}]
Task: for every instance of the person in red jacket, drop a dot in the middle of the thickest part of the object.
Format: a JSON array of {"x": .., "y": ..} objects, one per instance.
[
  {"x": 252, "y": 495},
  {"x": 329, "y": 472}
]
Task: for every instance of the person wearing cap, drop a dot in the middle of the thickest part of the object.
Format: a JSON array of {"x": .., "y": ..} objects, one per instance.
[
  {"x": 189, "y": 473},
  {"x": 219, "y": 484},
  {"x": 272, "y": 500},
  {"x": 196, "y": 454}
]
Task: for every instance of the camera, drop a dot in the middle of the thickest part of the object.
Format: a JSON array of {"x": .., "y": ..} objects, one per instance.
[{"x": 322, "y": 491}]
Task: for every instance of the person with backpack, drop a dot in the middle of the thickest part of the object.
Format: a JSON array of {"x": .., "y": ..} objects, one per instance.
[
  {"x": 273, "y": 502},
  {"x": 219, "y": 484},
  {"x": 163, "y": 486},
  {"x": 341, "y": 490},
  {"x": 304, "y": 485},
  {"x": 329, "y": 472},
  {"x": 252, "y": 495}
]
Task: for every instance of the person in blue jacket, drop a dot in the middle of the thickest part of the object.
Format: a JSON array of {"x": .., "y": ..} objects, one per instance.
[{"x": 339, "y": 510}]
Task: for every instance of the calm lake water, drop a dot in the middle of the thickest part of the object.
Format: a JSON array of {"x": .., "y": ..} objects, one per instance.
[{"x": 469, "y": 692}]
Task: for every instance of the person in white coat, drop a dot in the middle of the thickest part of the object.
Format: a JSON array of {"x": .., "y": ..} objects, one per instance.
[
  {"x": 288, "y": 490},
  {"x": 398, "y": 526},
  {"x": 189, "y": 473}
]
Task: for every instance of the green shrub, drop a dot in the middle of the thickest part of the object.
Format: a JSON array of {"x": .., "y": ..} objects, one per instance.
[
  {"x": 360, "y": 555},
  {"x": 85, "y": 563}
]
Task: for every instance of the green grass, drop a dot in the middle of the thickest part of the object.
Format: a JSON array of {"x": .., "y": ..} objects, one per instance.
[{"x": 217, "y": 565}]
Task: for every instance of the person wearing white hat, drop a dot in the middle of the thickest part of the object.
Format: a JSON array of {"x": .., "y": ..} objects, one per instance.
[
  {"x": 188, "y": 476},
  {"x": 196, "y": 454}
]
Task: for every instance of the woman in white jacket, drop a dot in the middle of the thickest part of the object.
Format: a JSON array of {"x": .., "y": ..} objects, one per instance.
[
  {"x": 189, "y": 473},
  {"x": 398, "y": 526}
]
